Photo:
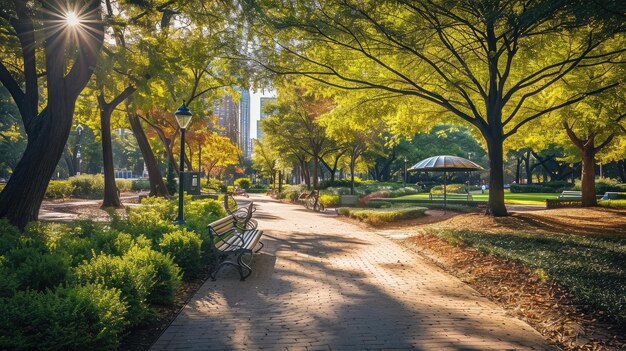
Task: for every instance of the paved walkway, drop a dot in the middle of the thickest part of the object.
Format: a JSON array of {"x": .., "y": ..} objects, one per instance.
[{"x": 322, "y": 284}]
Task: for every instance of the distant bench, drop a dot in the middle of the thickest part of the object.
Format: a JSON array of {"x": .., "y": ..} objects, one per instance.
[
  {"x": 571, "y": 195},
  {"x": 467, "y": 197}
]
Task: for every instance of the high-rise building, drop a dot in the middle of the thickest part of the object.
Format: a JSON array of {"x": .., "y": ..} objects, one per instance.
[
  {"x": 264, "y": 102},
  {"x": 244, "y": 122},
  {"x": 227, "y": 113}
]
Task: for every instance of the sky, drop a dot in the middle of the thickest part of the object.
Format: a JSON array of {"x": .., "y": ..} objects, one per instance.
[{"x": 255, "y": 107}]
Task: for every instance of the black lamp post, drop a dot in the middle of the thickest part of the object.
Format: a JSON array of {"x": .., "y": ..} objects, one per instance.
[
  {"x": 79, "y": 132},
  {"x": 183, "y": 117},
  {"x": 404, "y": 180}
]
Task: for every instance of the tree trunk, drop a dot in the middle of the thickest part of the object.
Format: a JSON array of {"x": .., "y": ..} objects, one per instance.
[
  {"x": 69, "y": 162},
  {"x": 528, "y": 168},
  {"x": 588, "y": 177},
  {"x": 49, "y": 130},
  {"x": 315, "y": 171},
  {"x": 621, "y": 166},
  {"x": 352, "y": 164},
  {"x": 21, "y": 198},
  {"x": 111, "y": 193},
  {"x": 518, "y": 170},
  {"x": 496, "y": 205},
  {"x": 157, "y": 185}
]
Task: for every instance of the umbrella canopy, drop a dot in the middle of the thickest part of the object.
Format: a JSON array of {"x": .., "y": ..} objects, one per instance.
[{"x": 445, "y": 163}]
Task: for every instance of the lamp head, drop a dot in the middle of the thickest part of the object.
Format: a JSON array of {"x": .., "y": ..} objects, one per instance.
[{"x": 183, "y": 116}]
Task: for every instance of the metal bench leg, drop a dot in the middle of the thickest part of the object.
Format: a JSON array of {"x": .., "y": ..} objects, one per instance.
[
  {"x": 242, "y": 265},
  {"x": 259, "y": 249}
]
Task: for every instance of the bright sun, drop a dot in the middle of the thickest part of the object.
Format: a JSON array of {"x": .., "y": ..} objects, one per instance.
[{"x": 72, "y": 19}]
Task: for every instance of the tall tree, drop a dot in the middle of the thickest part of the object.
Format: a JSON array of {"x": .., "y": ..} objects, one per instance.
[
  {"x": 485, "y": 62},
  {"x": 69, "y": 39}
]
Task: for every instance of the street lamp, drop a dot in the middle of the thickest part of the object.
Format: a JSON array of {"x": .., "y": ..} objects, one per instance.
[
  {"x": 183, "y": 117},
  {"x": 78, "y": 162},
  {"x": 404, "y": 179},
  {"x": 79, "y": 132}
]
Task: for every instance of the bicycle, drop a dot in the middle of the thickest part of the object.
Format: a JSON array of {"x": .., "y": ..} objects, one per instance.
[{"x": 312, "y": 202}]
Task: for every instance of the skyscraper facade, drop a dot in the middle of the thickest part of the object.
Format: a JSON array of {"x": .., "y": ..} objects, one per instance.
[
  {"x": 227, "y": 112},
  {"x": 244, "y": 122}
]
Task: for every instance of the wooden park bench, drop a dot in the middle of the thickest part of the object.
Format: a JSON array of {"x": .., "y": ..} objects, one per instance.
[
  {"x": 467, "y": 197},
  {"x": 229, "y": 243},
  {"x": 570, "y": 195},
  {"x": 241, "y": 215}
]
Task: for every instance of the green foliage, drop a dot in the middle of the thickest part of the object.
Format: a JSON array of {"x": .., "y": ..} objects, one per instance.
[
  {"x": 243, "y": 183},
  {"x": 550, "y": 187},
  {"x": 588, "y": 265},
  {"x": 450, "y": 188},
  {"x": 378, "y": 217},
  {"x": 605, "y": 184},
  {"x": 166, "y": 273},
  {"x": 89, "y": 186},
  {"x": 329, "y": 200},
  {"x": 132, "y": 279},
  {"x": 59, "y": 189},
  {"x": 153, "y": 218},
  {"x": 140, "y": 184},
  {"x": 89, "y": 317},
  {"x": 258, "y": 186},
  {"x": 186, "y": 249},
  {"x": 199, "y": 213},
  {"x": 123, "y": 185},
  {"x": 613, "y": 203},
  {"x": 170, "y": 180},
  {"x": 214, "y": 186}
]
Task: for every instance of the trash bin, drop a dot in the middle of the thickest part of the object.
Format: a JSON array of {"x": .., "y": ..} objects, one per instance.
[{"x": 192, "y": 183}]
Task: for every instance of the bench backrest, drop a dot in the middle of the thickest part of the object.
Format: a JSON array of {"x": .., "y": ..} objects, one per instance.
[
  {"x": 572, "y": 192},
  {"x": 222, "y": 225}
]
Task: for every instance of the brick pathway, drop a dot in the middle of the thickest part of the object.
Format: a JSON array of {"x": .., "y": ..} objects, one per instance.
[{"x": 322, "y": 284}]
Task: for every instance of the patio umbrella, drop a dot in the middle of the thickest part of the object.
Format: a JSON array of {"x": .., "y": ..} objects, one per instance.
[{"x": 445, "y": 164}]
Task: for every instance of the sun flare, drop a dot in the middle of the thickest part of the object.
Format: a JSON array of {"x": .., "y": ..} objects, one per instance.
[{"x": 72, "y": 19}]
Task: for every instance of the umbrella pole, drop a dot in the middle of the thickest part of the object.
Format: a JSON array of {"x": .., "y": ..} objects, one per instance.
[{"x": 445, "y": 193}]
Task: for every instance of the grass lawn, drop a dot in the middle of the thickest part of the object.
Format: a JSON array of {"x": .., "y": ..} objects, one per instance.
[
  {"x": 509, "y": 198},
  {"x": 590, "y": 266}
]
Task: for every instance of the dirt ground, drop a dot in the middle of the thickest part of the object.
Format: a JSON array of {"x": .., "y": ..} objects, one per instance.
[
  {"x": 549, "y": 308},
  {"x": 583, "y": 221}
]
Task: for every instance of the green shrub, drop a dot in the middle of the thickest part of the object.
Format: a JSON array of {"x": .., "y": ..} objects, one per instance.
[
  {"x": 258, "y": 186},
  {"x": 329, "y": 200},
  {"x": 214, "y": 186},
  {"x": 90, "y": 186},
  {"x": 153, "y": 218},
  {"x": 140, "y": 184},
  {"x": 170, "y": 180},
  {"x": 123, "y": 185},
  {"x": 450, "y": 188},
  {"x": 166, "y": 273},
  {"x": 377, "y": 217},
  {"x": 530, "y": 188},
  {"x": 79, "y": 318},
  {"x": 612, "y": 203},
  {"x": 605, "y": 184},
  {"x": 37, "y": 270},
  {"x": 59, "y": 189},
  {"x": 132, "y": 279},
  {"x": 9, "y": 236},
  {"x": 199, "y": 213},
  {"x": 243, "y": 183},
  {"x": 185, "y": 247},
  {"x": 549, "y": 187}
]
